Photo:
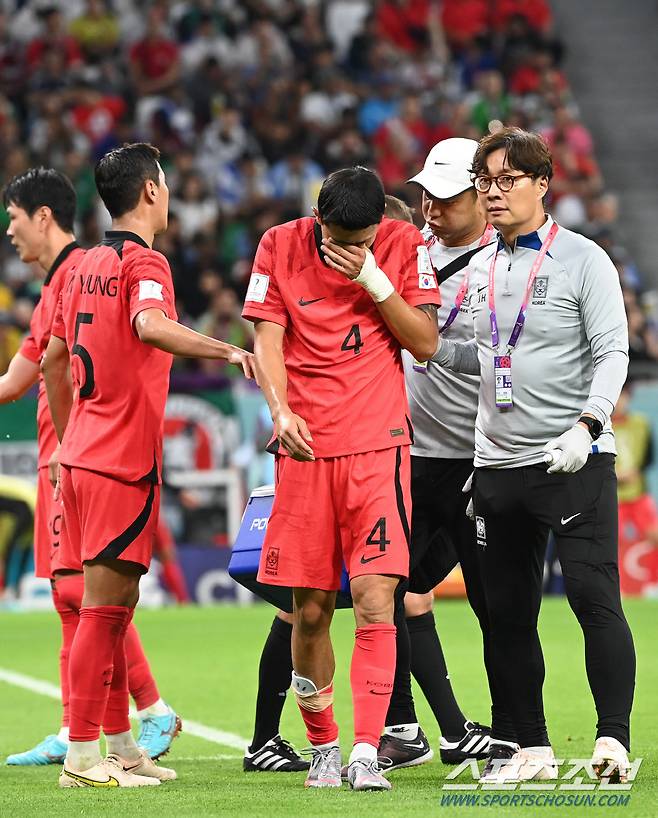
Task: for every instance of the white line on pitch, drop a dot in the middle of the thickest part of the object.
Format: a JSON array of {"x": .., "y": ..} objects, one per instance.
[
  {"x": 192, "y": 728},
  {"x": 220, "y": 757}
]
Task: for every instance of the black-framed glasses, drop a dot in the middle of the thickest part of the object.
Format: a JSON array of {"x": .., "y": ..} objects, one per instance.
[{"x": 505, "y": 182}]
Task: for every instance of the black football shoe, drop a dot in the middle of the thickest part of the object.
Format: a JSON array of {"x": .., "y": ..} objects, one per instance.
[
  {"x": 275, "y": 756},
  {"x": 473, "y": 744},
  {"x": 500, "y": 752},
  {"x": 395, "y": 752}
]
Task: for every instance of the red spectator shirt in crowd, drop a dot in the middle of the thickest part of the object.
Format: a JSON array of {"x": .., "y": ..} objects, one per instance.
[
  {"x": 344, "y": 367},
  {"x": 120, "y": 384},
  {"x": 576, "y": 136},
  {"x": 580, "y": 168},
  {"x": 35, "y": 343},
  {"x": 527, "y": 79},
  {"x": 154, "y": 57},
  {"x": 401, "y": 145},
  {"x": 463, "y": 20},
  {"x": 98, "y": 119},
  {"x": 536, "y": 12},
  {"x": 400, "y": 22},
  {"x": 65, "y": 45}
]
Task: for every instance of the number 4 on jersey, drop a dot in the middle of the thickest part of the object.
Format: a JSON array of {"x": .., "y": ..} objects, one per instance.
[
  {"x": 354, "y": 333},
  {"x": 378, "y": 535}
]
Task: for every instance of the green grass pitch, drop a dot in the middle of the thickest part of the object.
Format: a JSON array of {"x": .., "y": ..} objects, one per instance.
[{"x": 205, "y": 660}]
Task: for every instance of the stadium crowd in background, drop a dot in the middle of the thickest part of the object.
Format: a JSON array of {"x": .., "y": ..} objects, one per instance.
[{"x": 253, "y": 103}]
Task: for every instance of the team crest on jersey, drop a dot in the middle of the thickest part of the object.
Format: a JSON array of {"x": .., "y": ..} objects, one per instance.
[
  {"x": 257, "y": 290},
  {"x": 272, "y": 561},
  {"x": 540, "y": 290}
]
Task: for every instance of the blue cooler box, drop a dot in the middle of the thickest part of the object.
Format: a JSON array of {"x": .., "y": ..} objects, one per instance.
[{"x": 245, "y": 557}]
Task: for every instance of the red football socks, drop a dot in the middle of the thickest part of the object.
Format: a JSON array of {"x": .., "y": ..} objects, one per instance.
[
  {"x": 371, "y": 676},
  {"x": 321, "y": 727},
  {"x": 67, "y": 595},
  {"x": 91, "y": 661},
  {"x": 116, "y": 718},
  {"x": 142, "y": 685}
]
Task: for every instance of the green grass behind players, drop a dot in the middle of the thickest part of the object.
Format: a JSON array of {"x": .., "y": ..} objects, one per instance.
[{"x": 206, "y": 661}]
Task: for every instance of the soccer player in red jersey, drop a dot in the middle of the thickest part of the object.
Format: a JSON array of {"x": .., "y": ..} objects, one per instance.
[
  {"x": 334, "y": 299},
  {"x": 41, "y": 206},
  {"x": 118, "y": 322}
]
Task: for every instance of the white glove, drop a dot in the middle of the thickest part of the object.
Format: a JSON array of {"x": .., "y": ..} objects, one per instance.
[
  {"x": 374, "y": 280},
  {"x": 569, "y": 452},
  {"x": 466, "y": 488}
]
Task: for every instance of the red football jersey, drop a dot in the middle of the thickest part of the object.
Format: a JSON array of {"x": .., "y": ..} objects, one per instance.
[
  {"x": 345, "y": 376},
  {"x": 34, "y": 344},
  {"x": 120, "y": 384}
]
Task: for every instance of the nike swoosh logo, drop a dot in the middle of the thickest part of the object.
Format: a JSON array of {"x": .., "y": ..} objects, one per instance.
[
  {"x": 366, "y": 560},
  {"x": 565, "y": 520},
  {"x": 482, "y": 288},
  {"x": 303, "y": 303},
  {"x": 380, "y": 693},
  {"x": 111, "y": 782},
  {"x": 418, "y": 746},
  {"x": 441, "y": 163}
]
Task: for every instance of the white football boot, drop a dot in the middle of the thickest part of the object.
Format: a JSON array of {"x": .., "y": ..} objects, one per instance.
[
  {"x": 610, "y": 760},
  {"x": 109, "y": 772},
  {"x": 528, "y": 764}
]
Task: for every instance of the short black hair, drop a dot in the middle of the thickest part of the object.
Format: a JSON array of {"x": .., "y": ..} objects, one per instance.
[
  {"x": 352, "y": 198},
  {"x": 121, "y": 173},
  {"x": 43, "y": 187}
]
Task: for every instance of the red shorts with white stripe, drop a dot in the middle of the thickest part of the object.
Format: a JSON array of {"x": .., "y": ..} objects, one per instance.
[{"x": 352, "y": 510}]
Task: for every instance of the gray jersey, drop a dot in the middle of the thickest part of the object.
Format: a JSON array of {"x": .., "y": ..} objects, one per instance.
[
  {"x": 572, "y": 355},
  {"x": 443, "y": 404}
]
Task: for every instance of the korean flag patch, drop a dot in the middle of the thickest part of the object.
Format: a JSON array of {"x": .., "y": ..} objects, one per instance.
[
  {"x": 426, "y": 280},
  {"x": 257, "y": 290}
]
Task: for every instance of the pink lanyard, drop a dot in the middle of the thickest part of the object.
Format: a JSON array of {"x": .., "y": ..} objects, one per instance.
[
  {"x": 520, "y": 319},
  {"x": 461, "y": 293}
]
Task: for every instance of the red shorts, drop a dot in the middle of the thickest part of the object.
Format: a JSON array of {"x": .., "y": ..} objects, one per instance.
[
  {"x": 47, "y": 524},
  {"x": 637, "y": 518},
  {"x": 353, "y": 509},
  {"x": 105, "y": 518}
]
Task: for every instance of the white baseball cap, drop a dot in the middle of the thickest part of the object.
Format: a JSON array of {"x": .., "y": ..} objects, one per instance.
[{"x": 447, "y": 169}]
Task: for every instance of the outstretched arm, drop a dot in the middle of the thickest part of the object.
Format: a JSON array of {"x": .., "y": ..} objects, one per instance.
[{"x": 154, "y": 328}]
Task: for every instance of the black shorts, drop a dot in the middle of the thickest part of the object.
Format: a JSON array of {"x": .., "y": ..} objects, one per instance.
[
  {"x": 522, "y": 504},
  {"x": 441, "y": 534}
]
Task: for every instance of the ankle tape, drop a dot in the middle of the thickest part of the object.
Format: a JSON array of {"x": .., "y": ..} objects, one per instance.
[{"x": 309, "y": 697}]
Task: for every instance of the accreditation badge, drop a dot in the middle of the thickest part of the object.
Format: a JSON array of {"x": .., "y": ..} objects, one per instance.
[{"x": 503, "y": 381}]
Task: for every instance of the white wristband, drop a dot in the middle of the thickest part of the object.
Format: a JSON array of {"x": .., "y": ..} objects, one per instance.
[{"x": 373, "y": 280}]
